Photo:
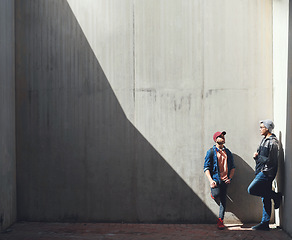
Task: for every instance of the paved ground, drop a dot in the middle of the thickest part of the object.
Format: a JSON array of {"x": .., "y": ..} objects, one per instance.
[{"x": 96, "y": 231}]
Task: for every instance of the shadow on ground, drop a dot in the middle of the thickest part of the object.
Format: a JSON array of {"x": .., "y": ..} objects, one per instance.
[{"x": 54, "y": 231}]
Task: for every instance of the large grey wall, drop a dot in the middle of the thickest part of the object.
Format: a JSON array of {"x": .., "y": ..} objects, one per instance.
[
  {"x": 7, "y": 116},
  {"x": 117, "y": 102}
]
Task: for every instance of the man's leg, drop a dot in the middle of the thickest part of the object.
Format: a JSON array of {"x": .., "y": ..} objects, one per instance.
[
  {"x": 267, "y": 208},
  {"x": 223, "y": 192},
  {"x": 264, "y": 224},
  {"x": 216, "y": 194},
  {"x": 262, "y": 186}
]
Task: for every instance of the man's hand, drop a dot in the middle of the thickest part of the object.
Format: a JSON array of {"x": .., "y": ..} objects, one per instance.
[
  {"x": 213, "y": 184},
  {"x": 228, "y": 181},
  {"x": 255, "y": 155}
]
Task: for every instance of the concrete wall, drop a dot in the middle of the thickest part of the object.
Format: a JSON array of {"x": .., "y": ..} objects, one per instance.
[
  {"x": 119, "y": 101},
  {"x": 280, "y": 63},
  {"x": 287, "y": 208},
  {"x": 7, "y": 116}
]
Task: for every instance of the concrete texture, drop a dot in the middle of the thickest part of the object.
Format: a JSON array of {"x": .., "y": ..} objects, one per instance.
[
  {"x": 280, "y": 63},
  {"x": 7, "y": 116},
  {"x": 87, "y": 231},
  {"x": 184, "y": 62},
  {"x": 118, "y": 101},
  {"x": 287, "y": 208},
  {"x": 79, "y": 157}
]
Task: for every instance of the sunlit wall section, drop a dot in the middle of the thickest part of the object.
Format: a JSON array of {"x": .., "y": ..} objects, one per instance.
[
  {"x": 280, "y": 63},
  {"x": 287, "y": 166},
  {"x": 109, "y": 29},
  {"x": 185, "y": 69}
]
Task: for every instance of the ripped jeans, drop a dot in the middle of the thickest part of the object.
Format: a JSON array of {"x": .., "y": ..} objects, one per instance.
[{"x": 219, "y": 193}]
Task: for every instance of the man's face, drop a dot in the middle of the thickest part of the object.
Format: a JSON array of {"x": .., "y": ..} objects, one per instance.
[
  {"x": 264, "y": 131},
  {"x": 220, "y": 140}
]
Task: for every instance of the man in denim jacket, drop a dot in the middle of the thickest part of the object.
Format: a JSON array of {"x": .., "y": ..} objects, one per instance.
[
  {"x": 219, "y": 169},
  {"x": 266, "y": 159}
]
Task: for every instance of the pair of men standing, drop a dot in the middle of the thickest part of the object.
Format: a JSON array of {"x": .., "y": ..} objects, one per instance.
[{"x": 219, "y": 169}]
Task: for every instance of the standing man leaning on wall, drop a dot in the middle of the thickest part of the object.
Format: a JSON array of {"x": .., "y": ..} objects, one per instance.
[
  {"x": 266, "y": 159},
  {"x": 219, "y": 169}
]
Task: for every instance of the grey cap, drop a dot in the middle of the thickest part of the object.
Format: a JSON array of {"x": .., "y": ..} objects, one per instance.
[{"x": 268, "y": 124}]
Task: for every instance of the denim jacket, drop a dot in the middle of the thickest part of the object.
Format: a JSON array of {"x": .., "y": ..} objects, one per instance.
[{"x": 212, "y": 164}]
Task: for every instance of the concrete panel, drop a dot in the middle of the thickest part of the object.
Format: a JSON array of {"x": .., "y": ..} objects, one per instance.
[
  {"x": 169, "y": 82},
  {"x": 7, "y": 116},
  {"x": 237, "y": 83},
  {"x": 108, "y": 28},
  {"x": 280, "y": 66},
  {"x": 119, "y": 101},
  {"x": 202, "y": 66},
  {"x": 287, "y": 208}
]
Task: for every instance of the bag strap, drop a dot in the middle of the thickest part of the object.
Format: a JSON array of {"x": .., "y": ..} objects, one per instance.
[{"x": 212, "y": 153}]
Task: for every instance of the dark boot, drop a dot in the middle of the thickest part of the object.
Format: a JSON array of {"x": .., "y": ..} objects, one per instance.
[
  {"x": 277, "y": 200},
  {"x": 262, "y": 226}
]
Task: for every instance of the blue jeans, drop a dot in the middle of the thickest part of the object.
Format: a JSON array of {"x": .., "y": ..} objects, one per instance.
[
  {"x": 262, "y": 186},
  {"x": 219, "y": 193}
]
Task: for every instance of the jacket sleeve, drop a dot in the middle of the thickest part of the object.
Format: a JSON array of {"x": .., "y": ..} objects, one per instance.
[
  {"x": 207, "y": 163},
  {"x": 232, "y": 165},
  {"x": 273, "y": 155}
]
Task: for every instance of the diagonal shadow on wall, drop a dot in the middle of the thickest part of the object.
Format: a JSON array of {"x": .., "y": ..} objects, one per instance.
[{"x": 78, "y": 156}]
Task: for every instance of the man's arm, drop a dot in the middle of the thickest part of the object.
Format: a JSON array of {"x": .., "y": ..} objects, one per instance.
[
  {"x": 213, "y": 184},
  {"x": 231, "y": 174},
  {"x": 273, "y": 155}
]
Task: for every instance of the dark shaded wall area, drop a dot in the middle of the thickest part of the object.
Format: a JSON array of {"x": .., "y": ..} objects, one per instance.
[
  {"x": 287, "y": 168},
  {"x": 7, "y": 116}
]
